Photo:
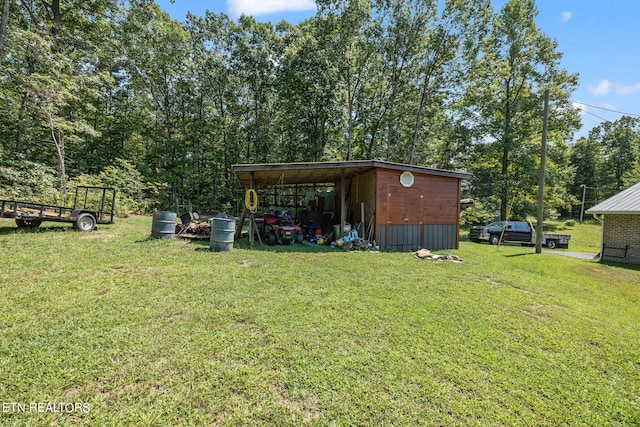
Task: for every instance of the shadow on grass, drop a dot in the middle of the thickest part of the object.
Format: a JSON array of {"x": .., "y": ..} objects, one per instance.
[
  {"x": 5, "y": 231},
  {"x": 293, "y": 247},
  {"x": 517, "y": 255},
  {"x": 632, "y": 267},
  {"x": 243, "y": 243}
]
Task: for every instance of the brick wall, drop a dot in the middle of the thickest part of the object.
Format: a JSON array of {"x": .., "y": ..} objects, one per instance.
[{"x": 620, "y": 230}]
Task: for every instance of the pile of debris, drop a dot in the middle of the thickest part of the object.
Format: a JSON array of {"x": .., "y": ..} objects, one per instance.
[
  {"x": 428, "y": 255},
  {"x": 194, "y": 230},
  {"x": 349, "y": 243}
]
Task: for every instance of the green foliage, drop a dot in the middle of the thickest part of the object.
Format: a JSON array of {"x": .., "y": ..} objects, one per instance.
[
  {"x": 454, "y": 85},
  {"x": 480, "y": 213},
  {"x": 504, "y": 100},
  {"x": 570, "y": 223},
  {"x": 132, "y": 193},
  {"x": 618, "y": 145},
  {"x": 605, "y": 163},
  {"x": 24, "y": 180}
]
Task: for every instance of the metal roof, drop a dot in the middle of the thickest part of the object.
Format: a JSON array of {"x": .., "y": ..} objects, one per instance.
[
  {"x": 268, "y": 174},
  {"x": 625, "y": 202}
]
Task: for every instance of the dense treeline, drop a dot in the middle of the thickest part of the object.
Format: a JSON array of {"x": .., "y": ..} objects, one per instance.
[{"x": 105, "y": 91}]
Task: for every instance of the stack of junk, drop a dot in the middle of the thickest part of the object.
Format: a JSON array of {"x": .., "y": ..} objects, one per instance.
[
  {"x": 311, "y": 227},
  {"x": 219, "y": 230},
  {"x": 273, "y": 228},
  {"x": 190, "y": 228}
]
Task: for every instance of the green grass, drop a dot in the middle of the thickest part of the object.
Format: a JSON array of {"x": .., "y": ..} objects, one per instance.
[{"x": 159, "y": 332}]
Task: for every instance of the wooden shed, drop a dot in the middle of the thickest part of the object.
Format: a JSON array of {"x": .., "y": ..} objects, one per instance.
[
  {"x": 409, "y": 207},
  {"x": 621, "y": 228}
]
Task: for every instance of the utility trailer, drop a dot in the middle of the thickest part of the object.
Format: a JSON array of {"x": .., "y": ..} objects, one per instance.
[{"x": 91, "y": 206}]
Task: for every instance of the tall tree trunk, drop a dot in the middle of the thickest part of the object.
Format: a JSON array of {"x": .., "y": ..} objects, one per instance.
[
  {"x": 507, "y": 141},
  {"x": 4, "y": 24},
  {"x": 256, "y": 113},
  {"x": 504, "y": 190},
  {"x": 58, "y": 140},
  {"x": 20, "y": 124},
  {"x": 350, "y": 116},
  {"x": 391, "y": 128},
  {"x": 56, "y": 16},
  {"x": 416, "y": 130}
]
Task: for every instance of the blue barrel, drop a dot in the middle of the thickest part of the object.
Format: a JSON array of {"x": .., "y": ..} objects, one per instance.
[
  {"x": 164, "y": 225},
  {"x": 222, "y": 233}
]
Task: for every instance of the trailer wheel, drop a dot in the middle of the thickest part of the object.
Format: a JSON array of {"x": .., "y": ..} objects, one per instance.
[
  {"x": 551, "y": 244},
  {"x": 28, "y": 223},
  {"x": 85, "y": 222}
]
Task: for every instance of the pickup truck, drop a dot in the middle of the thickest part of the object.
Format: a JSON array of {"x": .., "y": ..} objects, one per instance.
[{"x": 521, "y": 232}]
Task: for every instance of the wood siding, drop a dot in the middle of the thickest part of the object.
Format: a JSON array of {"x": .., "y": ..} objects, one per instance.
[
  {"x": 426, "y": 213},
  {"x": 363, "y": 190}
]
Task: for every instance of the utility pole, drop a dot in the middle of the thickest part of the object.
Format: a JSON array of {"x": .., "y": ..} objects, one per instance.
[
  {"x": 543, "y": 168},
  {"x": 584, "y": 190}
]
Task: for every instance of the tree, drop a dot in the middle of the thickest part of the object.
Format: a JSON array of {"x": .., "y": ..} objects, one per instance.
[
  {"x": 307, "y": 93},
  {"x": 257, "y": 50},
  {"x": 52, "y": 48},
  {"x": 217, "y": 120},
  {"x": 586, "y": 158},
  {"x": 4, "y": 24},
  {"x": 516, "y": 65},
  {"x": 619, "y": 143},
  {"x": 159, "y": 66}
]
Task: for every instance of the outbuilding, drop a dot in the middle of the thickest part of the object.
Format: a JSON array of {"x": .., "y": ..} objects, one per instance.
[
  {"x": 621, "y": 228},
  {"x": 402, "y": 207}
]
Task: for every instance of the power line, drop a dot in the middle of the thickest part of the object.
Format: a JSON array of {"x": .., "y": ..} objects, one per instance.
[
  {"x": 595, "y": 115},
  {"x": 606, "y": 109}
]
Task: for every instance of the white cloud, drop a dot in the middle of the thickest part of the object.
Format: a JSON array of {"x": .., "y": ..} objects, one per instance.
[
  {"x": 606, "y": 87},
  {"x": 603, "y": 88},
  {"x": 627, "y": 90},
  {"x": 566, "y": 16},
  {"x": 265, "y": 7},
  {"x": 580, "y": 107}
]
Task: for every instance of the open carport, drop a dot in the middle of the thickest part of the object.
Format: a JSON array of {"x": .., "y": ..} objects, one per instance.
[{"x": 404, "y": 207}]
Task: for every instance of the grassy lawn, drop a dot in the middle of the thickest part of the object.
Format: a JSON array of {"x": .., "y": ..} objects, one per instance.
[
  {"x": 585, "y": 237},
  {"x": 159, "y": 332}
]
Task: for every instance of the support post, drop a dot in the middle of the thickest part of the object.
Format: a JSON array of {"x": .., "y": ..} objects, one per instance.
[
  {"x": 543, "y": 167},
  {"x": 252, "y": 221},
  {"x": 343, "y": 202},
  {"x": 584, "y": 190}
]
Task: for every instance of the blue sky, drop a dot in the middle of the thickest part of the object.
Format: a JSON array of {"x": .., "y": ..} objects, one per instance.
[{"x": 599, "y": 40}]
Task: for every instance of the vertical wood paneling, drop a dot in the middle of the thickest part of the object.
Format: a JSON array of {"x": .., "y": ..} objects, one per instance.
[
  {"x": 363, "y": 190},
  {"x": 423, "y": 215}
]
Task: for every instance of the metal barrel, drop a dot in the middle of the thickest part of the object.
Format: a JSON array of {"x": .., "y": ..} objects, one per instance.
[
  {"x": 222, "y": 232},
  {"x": 164, "y": 225}
]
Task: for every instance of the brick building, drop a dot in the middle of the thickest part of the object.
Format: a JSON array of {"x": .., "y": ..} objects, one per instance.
[{"x": 621, "y": 230}]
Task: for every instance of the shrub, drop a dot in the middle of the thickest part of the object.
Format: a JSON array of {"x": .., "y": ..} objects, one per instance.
[
  {"x": 478, "y": 213},
  {"x": 128, "y": 182},
  {"x": 570, "y": 223},
  {"x": 24, "y": 180}
]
